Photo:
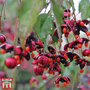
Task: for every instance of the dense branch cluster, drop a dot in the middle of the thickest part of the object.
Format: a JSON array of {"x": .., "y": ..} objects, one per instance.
[{"x": 50, "y": 61}]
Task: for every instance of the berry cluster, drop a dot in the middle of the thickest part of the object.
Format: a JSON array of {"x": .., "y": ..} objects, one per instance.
[
  {"x": 50, "y": 61},
  {"x": 74, "y": 26},
  {"x": 76, "y": 44},
  {"x": 34, "y": 80},
  {"x": 64, "y": 80}
]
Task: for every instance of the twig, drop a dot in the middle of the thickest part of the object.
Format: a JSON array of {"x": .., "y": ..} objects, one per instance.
[
  {"x": 83, "y": 8},
  {"x": 73, "y": 10},
  {"x": 15, "y": 33},
  {"x": 2, "y": 8}
]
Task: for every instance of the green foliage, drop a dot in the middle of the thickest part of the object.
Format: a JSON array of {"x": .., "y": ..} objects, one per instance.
[
  {"x": 25, "y": 9},
  {"x": 69, "y": 4},
  {"x": 30, "y": 16},
  {"x": 85, "y": 7},
  {"x": 43, "y": 26},
  {"x": 55, "y": 39},
  {"x": 58, "y": 15},
  {"x": 2, "y": 59},
  {"x": 24, "y": 76}
]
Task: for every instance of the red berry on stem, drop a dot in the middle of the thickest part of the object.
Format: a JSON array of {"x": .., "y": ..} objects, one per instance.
[
  {"x": 32, "y": 54},
  {"x": 16, "y": 57},
  {"x": 66, "y": 35},
  {"x": 27, "y": 48},
  {"x": 86, "y": 44},
  {"x": 57, "y": 85},
  {"x": 83, "y": 62},
  {"x": 64, "y": 84},
  {"x": 79, "y": 45},
  {"x": 76, "y": 36},
  {"x": 65, "y": 56},
  {"x": 58, "y": 59},
  {"x": 64, "y": 30},
  {"x": 10, "y": 62},
  {"x": 68, "y": 82},
  {"x": 74, "y": 57},
  {"x": 82, "y": 23},
  {"x": 69, "y": 14},
  {"x": 88, "y": 33},
  {"x": 81, "y": 71},
  {"x": 2, "y": 51},
  {"x": 68, "y": 63},
  {"x": 44, "y": 77},
  {"x": 18, "y": 62}
]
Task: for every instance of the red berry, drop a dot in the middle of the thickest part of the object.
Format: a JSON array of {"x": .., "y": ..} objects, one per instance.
[
  {"x": 64, "y": 30},
  {"x": 65, "y": 56},
  {"x": 18, "y": 62},
  {"x": 88, "y": 33},
  {"x": 68, "y": 63},
  {"x": 66, "y": 35},
  {"x": 81, "y": 71},
  {"x": 54, "y": 54},
  {"x": 64, "y": 84},
  {"x": 27, "y": 48},
  {"x": 35, "y": 84},
  {"x": 82, "y": 23},
  {"x": 57, "y": 85},
  {"x": 58, "y": 59},
  {"x": 16, "y": 57},
  {"x": 2, "y": 51},
  {"x": 44, "y": 77},
  {"x": 50, "y": 50},
  {"x": 22, "y": 59},
  {"x": 50, "y": 59},
  {"x": 86, "y": 44},
  {"x": 10, "y": 62},
  {"x": 76, "y": 36},
  {"x": 32, "y": 54},
  {"x": 69, "y": 14},
  {"x": 79, "y": 45},
  {"x": 74, "y": 57},
  {"x": 51, "y": 34},
  {"x": 0, "y": 43},
  {"x": 83, "y": 62},
  {"x": 68, "y": 82},
  {"x": 30, "y": 81}
]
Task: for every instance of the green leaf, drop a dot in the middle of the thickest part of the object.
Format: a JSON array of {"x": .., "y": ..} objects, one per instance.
[
  {"x": 84, "y": 7},
  {"x": 25, "y": 9},
  {"x": 11, "y": 9},
  {"x": 55, "y": 39},
  {"x": 43, "y": 26},
  {"x": 28, "y": 13},
  {"x": 58, "y": 16},
  {"x": 58, "y": 13},
  {"x": 67, "y": 72}
]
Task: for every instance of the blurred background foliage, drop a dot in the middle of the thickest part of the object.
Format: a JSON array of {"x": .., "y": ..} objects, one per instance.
[{"x": 31, "y": 17}]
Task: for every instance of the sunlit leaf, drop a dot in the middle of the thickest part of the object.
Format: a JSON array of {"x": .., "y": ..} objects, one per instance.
[{"x": 43, "y": 26}]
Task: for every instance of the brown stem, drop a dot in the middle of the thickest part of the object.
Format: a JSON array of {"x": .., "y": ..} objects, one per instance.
[
  {"x": 73, "y": 10},
  {"x": 2, "y": 8},
  {"x": 83, "y": 8}
]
